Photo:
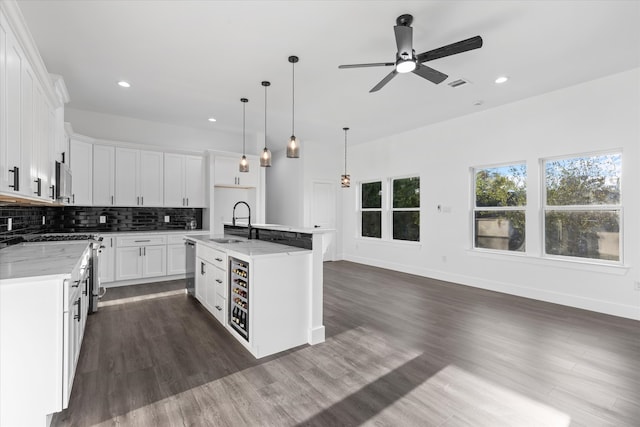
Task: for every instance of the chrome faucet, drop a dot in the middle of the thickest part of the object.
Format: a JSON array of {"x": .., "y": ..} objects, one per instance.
[{"x": 233, "y": 221}]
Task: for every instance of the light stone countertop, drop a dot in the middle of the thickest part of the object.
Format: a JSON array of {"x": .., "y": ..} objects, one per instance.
[
  {"x": 280, "y": 227},
  {"x": 48, "y": 260},
  {"x": 252, "y": 248}
]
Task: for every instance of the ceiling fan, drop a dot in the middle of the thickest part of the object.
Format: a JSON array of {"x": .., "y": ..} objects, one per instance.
[{"x": 407, "y": 60}]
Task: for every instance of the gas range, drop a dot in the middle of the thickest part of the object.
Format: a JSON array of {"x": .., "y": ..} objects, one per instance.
[{"x": 61, "y": 237}]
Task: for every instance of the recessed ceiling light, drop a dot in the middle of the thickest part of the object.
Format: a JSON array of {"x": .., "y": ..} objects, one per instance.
[
  {"x": 478, "y": 103},
  {"x": 501, "y": 79},
  {"x": 211, "y": 119},
  {"x": 122, "y": 83}
]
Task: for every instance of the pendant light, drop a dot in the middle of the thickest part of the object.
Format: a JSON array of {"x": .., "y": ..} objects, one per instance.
[
  {"x": 265, "y": 158},
  {"x": 293, "y": 147},
  {"x": 244, "y": 164},
  {"x": 345, "y": 179}
]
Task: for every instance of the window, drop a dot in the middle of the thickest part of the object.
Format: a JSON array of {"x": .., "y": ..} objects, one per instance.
[
  {"x": 371, "y": 209},
  {"x": 406, "y": 209},
  {"x": 582, "y": 209},
  {"x": 499, "y": 207}
]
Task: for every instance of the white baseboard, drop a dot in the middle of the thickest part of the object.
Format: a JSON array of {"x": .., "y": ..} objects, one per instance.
[
  {"x": 576, "y": 301},
  {"x": 142, "y": 281}
]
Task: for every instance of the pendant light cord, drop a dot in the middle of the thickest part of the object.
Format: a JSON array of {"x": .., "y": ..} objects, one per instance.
[
  {"x": 345, "y": 149},
  {"x": 265, "y": 116},
  {"x": 293, "y": 96},
  {"x": 244, "y": 109}
]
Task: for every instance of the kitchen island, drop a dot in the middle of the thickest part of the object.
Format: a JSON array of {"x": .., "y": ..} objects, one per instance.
[{"x": 259, "y": 291}]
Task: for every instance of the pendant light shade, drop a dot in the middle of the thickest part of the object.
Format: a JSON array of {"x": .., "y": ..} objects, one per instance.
[
  {"x": 293, "y": 146},
  {"x": 244, "y": 164},
  {"x": 265, "y": 157},
  {"x": 345, "y": 180}
]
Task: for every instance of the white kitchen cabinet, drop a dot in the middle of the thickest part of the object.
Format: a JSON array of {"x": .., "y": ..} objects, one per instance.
[
  {"x": 183, "y": 180},
  {"x": 211, "y": 281},
  {"x": 226, "y": 172},
  {"x": 138, "y": 177},
  {"x": 176, "y": 255},
  {"x": 140, "y": 256},
  {"x": 104, "y": 160},
  {"x": 106, "y": 268},
  {"x": 81, "y": 164}
]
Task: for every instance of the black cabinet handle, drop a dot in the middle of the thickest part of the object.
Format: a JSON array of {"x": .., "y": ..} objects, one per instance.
[
  {"x": 79, "y": 304},
  {"x": 38, "y": 192},
  {"x": 53, "y": 192},
  {"x": 77, "y": 283},
  {"x": 201, "y": 267},
  {"x": 16, "y": 178},
  {"x": 86, "y": 286}
]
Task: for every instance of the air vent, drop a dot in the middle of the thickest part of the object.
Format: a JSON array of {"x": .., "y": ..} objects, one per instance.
[{"x": 457, "y": 83}]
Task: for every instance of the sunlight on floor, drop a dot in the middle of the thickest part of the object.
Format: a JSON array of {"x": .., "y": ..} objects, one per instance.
[
  {"x": 141, "y": 298},
  {"x": 465, "y": 399}
]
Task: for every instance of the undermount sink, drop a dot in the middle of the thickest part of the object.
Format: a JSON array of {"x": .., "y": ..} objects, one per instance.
[{"x": 226, "y": 240}]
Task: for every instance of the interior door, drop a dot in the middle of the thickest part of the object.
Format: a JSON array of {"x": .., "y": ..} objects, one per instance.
[{"x": 323, "y": 214}]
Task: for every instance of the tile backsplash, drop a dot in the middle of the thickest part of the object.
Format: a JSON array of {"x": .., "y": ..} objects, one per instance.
[{"x": 73, "y": 219}]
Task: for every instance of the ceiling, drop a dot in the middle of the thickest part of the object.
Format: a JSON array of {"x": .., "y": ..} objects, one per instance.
[{"x": 189, "y": 60}]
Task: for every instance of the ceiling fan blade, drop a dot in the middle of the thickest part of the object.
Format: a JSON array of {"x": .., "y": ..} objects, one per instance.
[
  {"x": 384, "y": 81},
  {"x": 404, "y": 40},
  {"x": 451, "y": 49},
  {"x": 434, "y": 76},
  {"x": 375, "y": 64}
]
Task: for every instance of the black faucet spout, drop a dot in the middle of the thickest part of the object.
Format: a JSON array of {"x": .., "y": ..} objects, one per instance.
[{"x": 233, "y": 221}]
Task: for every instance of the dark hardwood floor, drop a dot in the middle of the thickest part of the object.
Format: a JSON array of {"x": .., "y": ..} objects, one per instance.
[{"x": 401, "y": 350}]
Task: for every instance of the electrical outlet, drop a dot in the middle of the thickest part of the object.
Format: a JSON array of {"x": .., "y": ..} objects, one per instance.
[
  {"x": 103, "y": 219},
  {"x": 166, "y": 218},
  {"x": 9, "y": 224},
  {"x": 44, "y": 220}
]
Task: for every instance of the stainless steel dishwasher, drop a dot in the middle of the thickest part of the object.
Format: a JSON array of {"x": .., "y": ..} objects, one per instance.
[{"x": 190, "y": 260}]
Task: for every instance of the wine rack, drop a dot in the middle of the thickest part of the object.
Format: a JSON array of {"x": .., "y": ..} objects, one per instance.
[{"x": 239, "y": 296}]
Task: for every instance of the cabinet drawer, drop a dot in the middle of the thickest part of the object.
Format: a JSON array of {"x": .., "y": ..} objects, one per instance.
[
  {"x": 214, "y": 256},
  {"x": 174, "y": 239},
  {"x": 128, "y": 241},
  {"x": 220, "y": 281}
]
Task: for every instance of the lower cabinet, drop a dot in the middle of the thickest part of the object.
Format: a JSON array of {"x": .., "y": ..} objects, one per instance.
[
  {"x": 176, "y": 253},
  {"x": 140, "y": 257},
  {"x": 211, "y": 281},
  {"x": 107, "y": 264}
]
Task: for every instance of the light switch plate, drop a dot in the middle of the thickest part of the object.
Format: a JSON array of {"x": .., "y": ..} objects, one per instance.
[
  {"x": 166, "y": 218},
  {"x": 44, "y": 220},
  {"x": 9, "y": 224},
  {"x": 103, "y": 219}
]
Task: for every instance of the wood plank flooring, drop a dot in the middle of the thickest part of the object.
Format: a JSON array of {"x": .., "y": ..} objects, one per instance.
[{"x": 401, "y": 350}]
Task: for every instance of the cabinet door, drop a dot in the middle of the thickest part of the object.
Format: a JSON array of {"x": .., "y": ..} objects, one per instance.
[
  {"x": 174, "y": 180},
  {"x": 128, "y": 263},
  {"x": 27, "y": 175},
  {"x": 151, "y": 178},
  {"x": 12, "y": 112},
  {"x": 220, "y": 309},
  {"x": 81, "y": 164},
  {"x": 126, "y": 177},
  {"x": 176, "y": 258},
  {"x": 210, "y": 288},
  {"x": 154, "y": 261},
  {"x": 201, "y": 280},
  {"x": 194, "y": 181},
  {"x": 103, "y": 174},
  {"x": 107, "y": 260},
  {"x": 226, "y": 171}
]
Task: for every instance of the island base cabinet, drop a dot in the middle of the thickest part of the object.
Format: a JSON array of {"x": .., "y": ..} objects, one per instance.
[{"x": 279, "y": 313}]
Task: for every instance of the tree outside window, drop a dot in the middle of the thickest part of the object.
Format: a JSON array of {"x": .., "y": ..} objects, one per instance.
[
  {"x": 499, "y": 207},
  {"x": 582, "y": 212},
  {"x": 371, "y": 209},
  {"x": 406, "y": 209}
]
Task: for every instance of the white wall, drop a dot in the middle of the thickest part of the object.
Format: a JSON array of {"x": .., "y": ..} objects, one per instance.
[
  {"x": 284, "y": 185},
  {"x": 118, "y": 128},
  {"x": 594, "y": 116}
]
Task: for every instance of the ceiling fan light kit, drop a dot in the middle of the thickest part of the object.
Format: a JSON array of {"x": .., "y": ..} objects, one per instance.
[
  {"x": 265, "y": 158},
  {"x": 293, "y": 146},
  {"x": 408, "y": 62},
  {"x": 244, "y": 164}
]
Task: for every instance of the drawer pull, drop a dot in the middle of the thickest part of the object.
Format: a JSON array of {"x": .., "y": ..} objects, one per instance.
[
  {"x": 139, "y": 241},
  {"x": 218, "y": 308},
  {"x": 218, "y": 280},
  {"x": 219, "y": 259}
]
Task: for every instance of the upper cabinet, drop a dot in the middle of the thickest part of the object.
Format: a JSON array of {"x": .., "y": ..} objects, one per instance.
[
  {"x": 227, "y": 173},
  {"x": 183, "y": 180},
  {"x": 138, "y": 177},
  {"x": 31, "y": 104},
  {"x": 104, "y": 163},
  {"x": 81, "y": 164}
]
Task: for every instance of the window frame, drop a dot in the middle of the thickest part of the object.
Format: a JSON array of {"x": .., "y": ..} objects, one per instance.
[
  {"x": 475, "y": 208},
  {"x": 544, "y": 208},
  {"x": 391, "y": 209},
  {"x": 362, "y": 209}
]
